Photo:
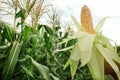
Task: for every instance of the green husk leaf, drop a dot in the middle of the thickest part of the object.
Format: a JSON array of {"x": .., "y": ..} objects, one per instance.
[
  {"x": 82, "y": 47},
  {"x": 79, "y": 34},
  {"x": 100, "y": 24},
  {"x": 74, "y": 60},
  {"x": 77, "y": 24},
  {"x": 85, "y": 47},
  {"x": 73, "y": 67},
  {"x": 108, "y": 55},
  {"x": 96, "y": 65},
  {"x": 113, "y": 55},
  {"x": 106, "y": 42},
  {"x": 86, "y": 42},
  {"x": 12, "y": 60}
]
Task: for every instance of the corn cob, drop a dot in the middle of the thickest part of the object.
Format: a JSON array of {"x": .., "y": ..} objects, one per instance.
[{"x": 86, "y": 20}]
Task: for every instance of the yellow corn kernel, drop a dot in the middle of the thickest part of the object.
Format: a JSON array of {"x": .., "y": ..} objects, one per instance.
[{"x": 86, "y": 20}]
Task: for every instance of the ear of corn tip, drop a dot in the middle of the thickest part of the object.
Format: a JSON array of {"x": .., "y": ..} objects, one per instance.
[{"x": 86, "y": 20}]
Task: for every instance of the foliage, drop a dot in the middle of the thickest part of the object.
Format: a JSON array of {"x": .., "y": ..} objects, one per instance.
[{"x": 40, "y": 49}]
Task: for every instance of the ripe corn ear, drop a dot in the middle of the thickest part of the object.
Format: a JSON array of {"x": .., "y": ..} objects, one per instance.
[{"x": 86, "y": 20}]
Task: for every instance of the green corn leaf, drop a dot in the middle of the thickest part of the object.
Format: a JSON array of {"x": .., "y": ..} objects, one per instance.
[
  {"x": 96, "y": 65},
  {"x": 27, "y": 71},
  {"x": 77, "y": 24},
  {"x": 21, "y": 14},
  {"x": 12, "y": 60},
  {"x": 100, "y": 24},
  {"x": 67, "y": 64},
  {"x": 47, "y": 28},
  {"x": 42, "y": 69},
  {"x": 2, "y": 56},
  {"x": 54, "y": 77},
  {"x": 65, "y": 49},
  {"x": 7, "y": 31},
  {"x": 26, "y": 34},
  {"x": 108, "y": 55},
  {"x": 5, "y": 46}
]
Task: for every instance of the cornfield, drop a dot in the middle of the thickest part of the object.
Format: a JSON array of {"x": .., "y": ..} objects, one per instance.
[{"x": 36, "y": 51}]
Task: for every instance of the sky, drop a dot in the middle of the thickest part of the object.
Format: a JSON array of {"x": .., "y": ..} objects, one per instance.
[{"x": 99, "y": 9}]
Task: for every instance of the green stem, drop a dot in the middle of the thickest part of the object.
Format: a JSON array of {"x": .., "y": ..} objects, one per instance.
[{"x": 22, "y": 27}]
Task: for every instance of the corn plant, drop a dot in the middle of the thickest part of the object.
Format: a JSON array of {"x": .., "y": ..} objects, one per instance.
[
  {"x": 14, "y": 41},
  {"x": 32, "y": 53}
]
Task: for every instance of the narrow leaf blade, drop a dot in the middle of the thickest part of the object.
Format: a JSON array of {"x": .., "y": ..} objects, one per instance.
[
  {"x": 96, "y": 65},
  {"x": 77, "y": 24},
  {"x": 74, "y": 60},
  {"x": 108, "y": 57},
  {"x": 42, "y": 69},
  {"x": 27, "y": 71},
  {"x": 12, "y": 60},
  {"x": 85, "y": 47},
  {"x": 26, "y": 34},
  {"x": 100, "y": 24}
]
